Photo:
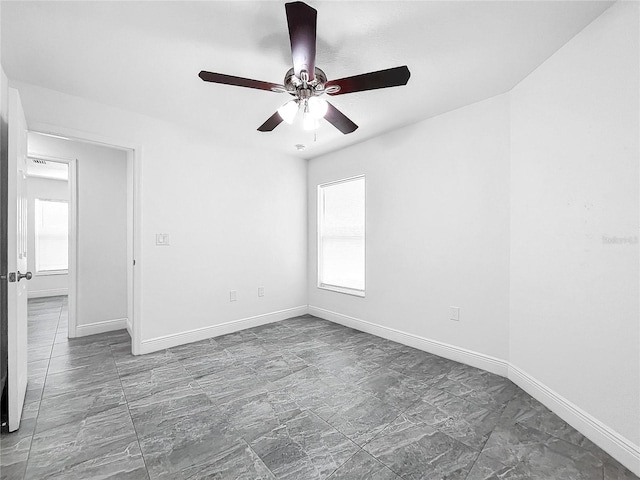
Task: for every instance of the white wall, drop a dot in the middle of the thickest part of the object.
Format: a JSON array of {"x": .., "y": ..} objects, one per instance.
[
  {"x": 43, "y": 285},
  {"x": 574, "y": 185},
  {"x": 101, "y": 227},
  {"x": 437, "y": 226},
  {"x": 236, "y": 219}
]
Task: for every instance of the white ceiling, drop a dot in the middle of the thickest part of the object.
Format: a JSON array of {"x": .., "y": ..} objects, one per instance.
[{"x": 145, "y": 56}]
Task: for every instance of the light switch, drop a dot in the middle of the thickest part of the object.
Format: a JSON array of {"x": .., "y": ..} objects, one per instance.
[
  {"x": 162, "y": 239},
  {"x": 261, "y": 291},
  {"x": 233, "y": 296}
]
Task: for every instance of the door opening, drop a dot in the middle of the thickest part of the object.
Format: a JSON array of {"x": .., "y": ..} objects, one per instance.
[{"x": 100, "y": 260}]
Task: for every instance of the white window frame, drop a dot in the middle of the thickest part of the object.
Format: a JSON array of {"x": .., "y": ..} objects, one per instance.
[
  {"x": 319, "y": 223},
  {"x": 44, "y": 273}
]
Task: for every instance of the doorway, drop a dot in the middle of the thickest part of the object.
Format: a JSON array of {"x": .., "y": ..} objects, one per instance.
[
  {"x": 14, "y": 256},
  {"x": 100, "y": 212}
]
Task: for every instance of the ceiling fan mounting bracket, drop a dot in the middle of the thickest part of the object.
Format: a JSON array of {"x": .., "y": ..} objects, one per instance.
[{"x": 302, "y": 88}]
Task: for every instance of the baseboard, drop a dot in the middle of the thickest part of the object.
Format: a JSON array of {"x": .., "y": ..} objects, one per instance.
[
  {"x": 129, "y": 327},
  {"x": 52, "y": 292},
  {"x": 606, "y": 438},
  {"x": 175, "y": 339},
  {"x": 101, "y": 327},
  {"x": 452, "y": 352}
]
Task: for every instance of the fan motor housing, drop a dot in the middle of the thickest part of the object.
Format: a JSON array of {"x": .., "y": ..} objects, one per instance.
[{"x": 296, "y": 87}]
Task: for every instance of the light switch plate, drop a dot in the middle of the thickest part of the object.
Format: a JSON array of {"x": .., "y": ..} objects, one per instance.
[
  {"x": 162, "y": 239},
  {"x": 454, "y": 313},
  {"x": 233, "y": 295},
  {"x": 261, "y": 291}
]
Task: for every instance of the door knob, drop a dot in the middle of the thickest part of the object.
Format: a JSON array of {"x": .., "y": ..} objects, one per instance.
[{"x": 27, "y": 275}]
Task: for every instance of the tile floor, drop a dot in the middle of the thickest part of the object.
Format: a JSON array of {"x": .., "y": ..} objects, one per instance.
[{"x": 300, "y": 399}]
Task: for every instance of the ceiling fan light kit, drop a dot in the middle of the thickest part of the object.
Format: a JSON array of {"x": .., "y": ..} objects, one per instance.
[
  {"x": 307, "y": 83},
  {"x": 317, "y": 107},
  {"x": 288, "y": 111}
]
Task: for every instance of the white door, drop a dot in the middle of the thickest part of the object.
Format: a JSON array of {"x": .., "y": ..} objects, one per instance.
[{"x": 17, "y": 261}]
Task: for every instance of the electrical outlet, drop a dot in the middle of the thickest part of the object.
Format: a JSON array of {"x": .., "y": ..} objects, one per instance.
[
  {"x": 454, "y": 313},
  {"x": 233, "y": 296},
  {"x": 261, "y": 291}
]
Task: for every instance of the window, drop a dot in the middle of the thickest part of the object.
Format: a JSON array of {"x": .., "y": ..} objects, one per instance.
[
  {"x": 51, "y": 232},
  {"x": 341, "y": 242}
]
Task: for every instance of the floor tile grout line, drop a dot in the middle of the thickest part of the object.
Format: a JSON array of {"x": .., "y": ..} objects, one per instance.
[
  {"x": 380, "y": 433},
  {"x": 345, "y": 436},
  {"x": 345, "y": 462},
  {"x": 474, "y": 464},
  {"x": 135, "y": 430},
  {"x": 361, "y": 448},
  {"x": 35, "y": 426},
  {"x": 256, "y": 454}
]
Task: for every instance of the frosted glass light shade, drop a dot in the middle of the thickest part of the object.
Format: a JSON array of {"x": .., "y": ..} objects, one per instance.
[
  {"x": 317, "y": 107},
  {"x": 288, "y": 111}
]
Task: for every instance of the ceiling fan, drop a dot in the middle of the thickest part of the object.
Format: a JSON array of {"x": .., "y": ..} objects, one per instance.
[{"x": 307, "y": 83}]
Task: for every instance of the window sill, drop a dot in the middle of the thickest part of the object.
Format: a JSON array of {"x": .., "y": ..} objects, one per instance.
[
  {"x": 346, "y": 291},
  {"x": 52, "y": 272}
]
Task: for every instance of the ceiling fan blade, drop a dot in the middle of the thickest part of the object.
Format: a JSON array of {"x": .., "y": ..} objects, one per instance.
[
  {"x": 272, "y": 122},
  {"x": 339, "y": 120},
  {"x": 391, "y": 77},
  {"x": 301, "y": 19},
  {"x": 239, "y": 81}
]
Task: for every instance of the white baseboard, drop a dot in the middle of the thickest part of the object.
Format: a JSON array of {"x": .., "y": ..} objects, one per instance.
[
  {"x": 175, "y": 339},
  {"x": 606, "y": 438},
  {"x": 52, "y": 292},
  {"x": 101, "y": 327},
  {"x": 452, "y": 352},
  {"x": 129, "y": 327}
]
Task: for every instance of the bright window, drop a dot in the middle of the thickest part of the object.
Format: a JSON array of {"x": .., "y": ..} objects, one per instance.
[
  {"x": 51, "y": 232},
  {"x": 341, "y": 236}
]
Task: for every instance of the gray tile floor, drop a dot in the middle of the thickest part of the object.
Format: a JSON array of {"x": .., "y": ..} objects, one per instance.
[{"x": 299, "y": 399}]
